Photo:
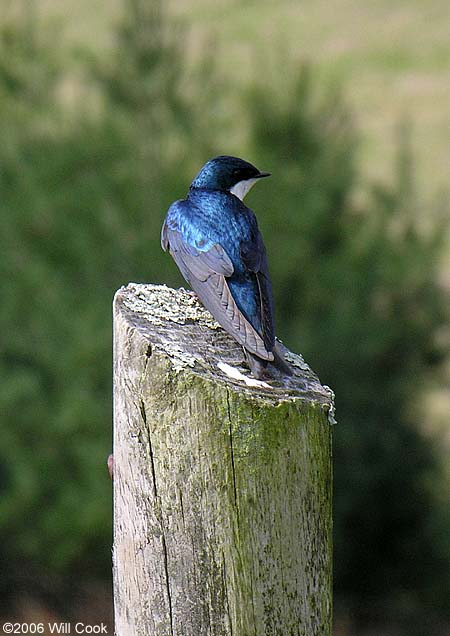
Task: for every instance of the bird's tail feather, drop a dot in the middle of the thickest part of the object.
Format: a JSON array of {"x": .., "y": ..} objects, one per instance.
[
  {"x": 259, "y": 369},
  {"x": 280, "y": 362}
]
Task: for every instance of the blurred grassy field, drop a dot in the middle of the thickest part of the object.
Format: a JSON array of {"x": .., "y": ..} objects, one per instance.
[{"x": 393, "y": 57}]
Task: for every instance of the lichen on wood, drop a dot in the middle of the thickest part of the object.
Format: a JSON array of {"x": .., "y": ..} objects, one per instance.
[{"x": 222, "y": 499}]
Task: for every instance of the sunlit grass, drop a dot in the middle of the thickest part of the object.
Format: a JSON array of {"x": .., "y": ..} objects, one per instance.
[{"x": 394, "y": 58}]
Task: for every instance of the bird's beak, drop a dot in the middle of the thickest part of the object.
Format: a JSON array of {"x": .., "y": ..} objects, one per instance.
[{"x": 263, "y": 174}]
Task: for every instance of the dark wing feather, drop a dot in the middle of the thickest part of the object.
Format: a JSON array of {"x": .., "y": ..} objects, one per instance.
[
  {"x": 205, "y": 271},
  {"x": 267, "y": 319},
  {"x": 255, "y": 259}
]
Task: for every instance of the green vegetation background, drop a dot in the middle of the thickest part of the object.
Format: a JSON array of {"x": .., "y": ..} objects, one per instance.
[{"x": 92, "y": 153}]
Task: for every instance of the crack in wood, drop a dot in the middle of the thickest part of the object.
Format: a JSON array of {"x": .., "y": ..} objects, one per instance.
[
  {"x": 180, "y": 497},
  {"x": 166, "y": 569},
  {"x": 150, "y": 447},
  {"x": 160, "y": 518},
  {"x": 233, "y": 467}
]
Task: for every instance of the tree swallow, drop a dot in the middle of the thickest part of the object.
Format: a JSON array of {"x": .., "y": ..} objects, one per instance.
[{"x": 215, "y": 241}]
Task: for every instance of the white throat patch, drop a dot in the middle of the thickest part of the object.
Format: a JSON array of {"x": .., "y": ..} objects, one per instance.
[{"x": 241, "y": 188}]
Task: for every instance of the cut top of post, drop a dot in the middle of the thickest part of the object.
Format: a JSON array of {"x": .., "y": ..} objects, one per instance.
[{"x": 177, "y": 326}]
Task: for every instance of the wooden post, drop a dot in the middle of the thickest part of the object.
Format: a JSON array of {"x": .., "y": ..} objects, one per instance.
[{"x": 222, "y": 491}]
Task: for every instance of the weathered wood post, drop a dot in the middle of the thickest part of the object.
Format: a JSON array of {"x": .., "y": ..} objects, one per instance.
[{"x": 222, "y": 491}]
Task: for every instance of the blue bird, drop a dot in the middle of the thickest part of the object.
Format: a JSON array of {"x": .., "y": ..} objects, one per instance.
[{"x": 215, "y": 241}]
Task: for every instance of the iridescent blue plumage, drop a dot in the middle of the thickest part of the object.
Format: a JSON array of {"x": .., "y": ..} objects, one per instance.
[{"x": 215, "y": 241}]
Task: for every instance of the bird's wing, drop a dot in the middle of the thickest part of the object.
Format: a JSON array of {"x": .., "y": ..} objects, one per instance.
[
  {"x": 253, "y": 254},
  {"x": 205, "y": 271}
]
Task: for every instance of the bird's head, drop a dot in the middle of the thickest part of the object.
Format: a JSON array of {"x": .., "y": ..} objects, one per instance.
[{"x": 229, "y": 174}]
